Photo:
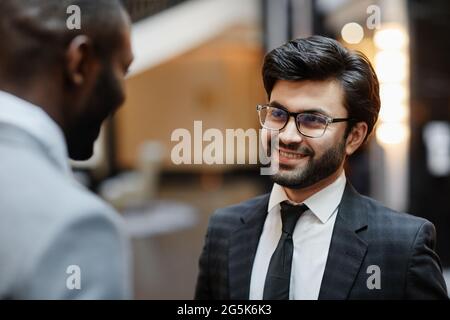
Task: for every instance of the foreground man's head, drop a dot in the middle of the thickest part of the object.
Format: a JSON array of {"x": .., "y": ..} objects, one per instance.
[{"x": 75, "y": 75}]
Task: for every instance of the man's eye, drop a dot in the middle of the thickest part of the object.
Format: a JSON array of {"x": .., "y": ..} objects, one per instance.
[
  {"x": 278, "y": 114},
  {"x": 312, "y": 120}
]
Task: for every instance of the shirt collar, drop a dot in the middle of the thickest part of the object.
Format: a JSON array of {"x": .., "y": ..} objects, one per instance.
[
  {"x": 38, "y": 124},
  {"x": 322, "y": 204}
]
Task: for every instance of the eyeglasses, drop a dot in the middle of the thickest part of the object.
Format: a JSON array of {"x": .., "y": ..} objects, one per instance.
[{"x": 310, "y": 125}]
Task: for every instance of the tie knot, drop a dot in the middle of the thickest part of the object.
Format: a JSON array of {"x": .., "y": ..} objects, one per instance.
[{"x": 290, "y": 214}]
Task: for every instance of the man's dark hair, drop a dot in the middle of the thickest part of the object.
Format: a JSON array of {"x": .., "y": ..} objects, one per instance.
[
  {"x": 34, "y": 33},
  {"x": 320, "y": 58}
]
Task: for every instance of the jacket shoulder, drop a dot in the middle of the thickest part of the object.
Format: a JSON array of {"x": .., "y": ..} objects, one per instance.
[
  {"x": 43, "y": 205},
  {"x": 391, "y": 226},
  {"x": 379, "y": 212}
]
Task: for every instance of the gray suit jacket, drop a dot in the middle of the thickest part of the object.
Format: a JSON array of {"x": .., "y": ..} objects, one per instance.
[
  {"x": 365, "y": 234},
  {"x": 48, "y": 223}
]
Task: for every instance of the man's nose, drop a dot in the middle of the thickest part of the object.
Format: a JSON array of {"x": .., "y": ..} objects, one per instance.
[{"x": 290, "y": 133}]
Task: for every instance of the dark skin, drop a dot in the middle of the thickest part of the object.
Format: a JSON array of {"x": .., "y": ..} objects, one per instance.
[{"x": 82, "y": 92}]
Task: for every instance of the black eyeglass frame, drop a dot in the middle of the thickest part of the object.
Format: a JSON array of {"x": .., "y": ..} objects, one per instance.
[{"x": 328, "y": 119}]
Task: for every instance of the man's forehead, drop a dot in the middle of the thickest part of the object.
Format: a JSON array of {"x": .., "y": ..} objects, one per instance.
[
  {"x": 306, "y": 94},
  {"x": 312, "y": 87}
]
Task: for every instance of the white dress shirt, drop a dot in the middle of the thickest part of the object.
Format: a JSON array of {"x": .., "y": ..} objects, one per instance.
[
  {"x": 311, "y": 237},
  {"x": 37, "y": 123}
]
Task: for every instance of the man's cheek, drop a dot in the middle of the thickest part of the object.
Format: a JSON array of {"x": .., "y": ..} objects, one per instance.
[
  {"x": 265, "y": 143},
  {"x": 269, "y": 141}
]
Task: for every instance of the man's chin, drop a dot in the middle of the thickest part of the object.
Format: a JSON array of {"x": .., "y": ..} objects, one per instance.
[
  {"x": 81, "y": 155},
  {"x": 284, "y": 177},
  {"x": 81, "y": 152},
  {"x": 81, "y": 146},
  {"x": 286, "y": 168},
  {"x": 287, "y": 183}
]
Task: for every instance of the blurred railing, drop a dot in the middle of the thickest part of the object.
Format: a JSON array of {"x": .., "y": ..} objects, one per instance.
[{"x": 141, "y": 9}]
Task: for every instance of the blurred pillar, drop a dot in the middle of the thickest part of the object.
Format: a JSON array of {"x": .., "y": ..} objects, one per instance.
[
  {"x": 285, "y": 20},
  {"x": 430, "y": 117},
  {"x": 392, "y": 66},
  {"x": 302, "y": 18}
]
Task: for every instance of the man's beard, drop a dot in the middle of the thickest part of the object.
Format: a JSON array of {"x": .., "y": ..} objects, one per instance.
[
  {"x": 107, "y": 97},
  {"x": 313, "y": 171}
]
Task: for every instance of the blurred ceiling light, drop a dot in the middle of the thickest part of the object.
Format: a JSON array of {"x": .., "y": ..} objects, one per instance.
[
  {"x": 391, "y": 133},
  {"x": 352, "y": 33},
  {"x": 390, "y": 36},
  {"x": 391, "y": 66}
]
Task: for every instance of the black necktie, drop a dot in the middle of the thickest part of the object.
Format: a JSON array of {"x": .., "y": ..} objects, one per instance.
[{"x": 278, "y": 276}]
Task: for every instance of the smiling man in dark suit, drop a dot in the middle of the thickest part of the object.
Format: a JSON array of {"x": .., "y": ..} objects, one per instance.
[{"x": 314, "y": 236}]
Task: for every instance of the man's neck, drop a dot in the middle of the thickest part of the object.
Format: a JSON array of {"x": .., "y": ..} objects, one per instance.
[
  {"x": 300, "y": 195},
  {"x": 37, "y": 96}
]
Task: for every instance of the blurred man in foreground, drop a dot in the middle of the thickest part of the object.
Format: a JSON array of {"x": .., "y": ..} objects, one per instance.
[{"x": 57, "y": 85}]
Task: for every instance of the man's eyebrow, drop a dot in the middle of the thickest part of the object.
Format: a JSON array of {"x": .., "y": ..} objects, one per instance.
[
  {"x": 130, "y": 62},
  {"x": 277, "y": 105},
  {"x": 127, "y": 66},
  {"x": 309, "y": 110},
  {"x": 317, "y": 110}
]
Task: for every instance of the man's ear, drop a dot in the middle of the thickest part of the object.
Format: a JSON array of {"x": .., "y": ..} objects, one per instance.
[
  {"x": 81, "y": 63},
  {"x": 356, "y": 137}
]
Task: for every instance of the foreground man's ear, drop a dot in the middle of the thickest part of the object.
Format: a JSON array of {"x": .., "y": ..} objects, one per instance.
[
  {"x": 355, "y": 137},
  {"x": 80, "y": 59}
]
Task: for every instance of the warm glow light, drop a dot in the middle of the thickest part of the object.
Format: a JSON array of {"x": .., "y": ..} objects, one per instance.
[
  {"x": 390, "y": 37},
  {"x": 352, "y": 33},
  {"x": 391, "y": 133},
  {"x": 392, "y": 112},
  {"x": 393, "y": 102},
  {"x": 391, "y": 66},
  {"x": 392, "y": 92}
]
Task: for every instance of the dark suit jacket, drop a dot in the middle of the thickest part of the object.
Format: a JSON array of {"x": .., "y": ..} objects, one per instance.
[{"x": 365, "y": 233}]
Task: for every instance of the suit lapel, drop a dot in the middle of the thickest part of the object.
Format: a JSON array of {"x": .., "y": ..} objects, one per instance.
[
  {"x": 347, "y": 248},
  {"x": 243, "y": 244}
]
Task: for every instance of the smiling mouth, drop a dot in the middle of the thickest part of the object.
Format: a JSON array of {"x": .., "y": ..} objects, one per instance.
[{"x": 291, "y": 155}]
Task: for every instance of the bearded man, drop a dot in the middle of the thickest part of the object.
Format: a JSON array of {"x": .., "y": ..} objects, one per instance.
[{"x": 314, "y": 236}]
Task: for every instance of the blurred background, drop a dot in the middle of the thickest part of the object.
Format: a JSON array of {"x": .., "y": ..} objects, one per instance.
[{"x": 201, "y": 60}]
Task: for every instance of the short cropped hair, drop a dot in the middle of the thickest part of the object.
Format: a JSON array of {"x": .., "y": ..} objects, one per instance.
[{"x": 35, "y": 34}]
